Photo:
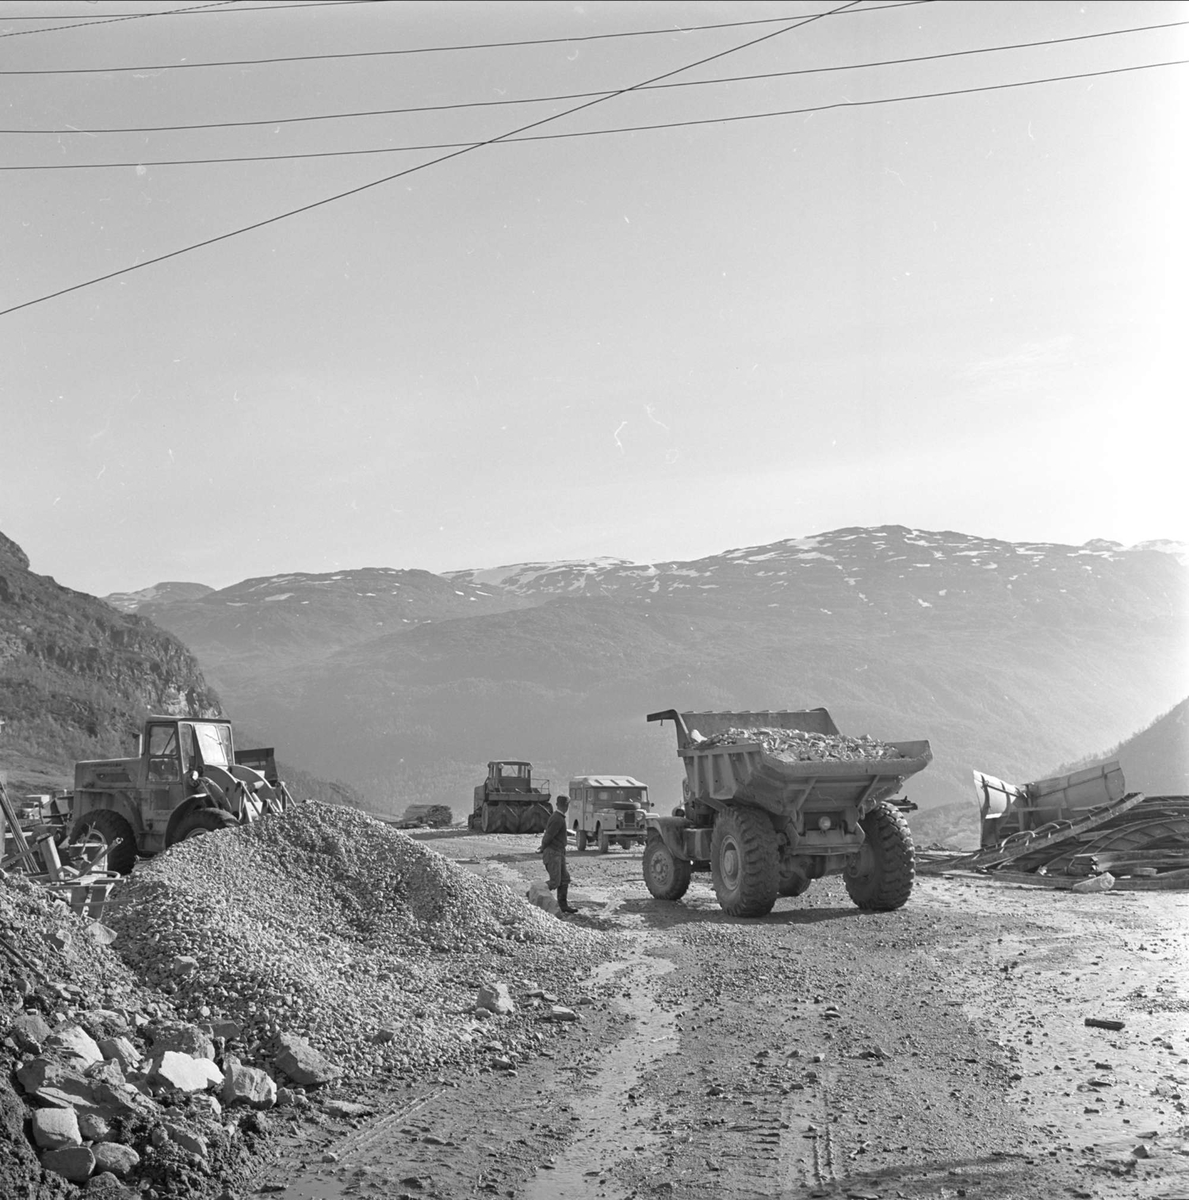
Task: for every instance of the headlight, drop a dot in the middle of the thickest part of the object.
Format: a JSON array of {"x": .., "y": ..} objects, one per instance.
[{"x": 824, "y": 823}]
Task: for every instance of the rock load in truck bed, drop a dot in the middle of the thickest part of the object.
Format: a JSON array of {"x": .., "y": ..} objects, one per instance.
[
  {"x": 795, "y": 745},
  {"x": 331, "y": 925}
]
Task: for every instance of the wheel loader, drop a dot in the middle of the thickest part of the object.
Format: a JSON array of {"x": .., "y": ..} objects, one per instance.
[
  {"x": 186, "y": 779},
  {"x": 507, "y": 802},
  {"x": 765, "y": 826}
]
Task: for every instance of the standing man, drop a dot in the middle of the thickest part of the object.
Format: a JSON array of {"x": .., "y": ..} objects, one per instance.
[{"x": 553, "y": 851}]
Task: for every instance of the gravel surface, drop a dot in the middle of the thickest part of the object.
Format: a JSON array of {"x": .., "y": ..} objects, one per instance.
[
  {"x": 331, "y": 925},
  {"x": 794, "y": 745}
]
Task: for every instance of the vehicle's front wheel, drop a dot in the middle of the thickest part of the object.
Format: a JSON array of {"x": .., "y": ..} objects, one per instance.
[
  {"x": 195, "y": 823},
  {"x": 744, "y": 864},
  {"x": 580, "y": 840},
  {"x": 665, "y": 875},
  {"x": 98, "y": 831},
  {"x": 604, "y": 843},
  {"x": 879, "y": 878}
]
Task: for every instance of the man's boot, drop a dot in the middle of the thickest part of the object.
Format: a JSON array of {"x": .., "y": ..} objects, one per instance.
[{"x": 563, "y": 898}]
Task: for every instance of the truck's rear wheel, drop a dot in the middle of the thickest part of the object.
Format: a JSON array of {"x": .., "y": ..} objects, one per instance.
[
  {"x": 665, "y": 875},
  {"x": 580, "y": 840},
  {"x": 197, "y": 822},
  {"x": 100, "y": 829},
  {"x": 744, "y": 864},
  {"x": 880, "y": 876}
]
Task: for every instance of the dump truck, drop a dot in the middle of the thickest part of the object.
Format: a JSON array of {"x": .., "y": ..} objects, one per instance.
[
  {"x": 507, "y": 802},
  {"x": 765, "y": 826},
  {"x": 186, "y": 779},
  {"x": 607, "y": 808}
]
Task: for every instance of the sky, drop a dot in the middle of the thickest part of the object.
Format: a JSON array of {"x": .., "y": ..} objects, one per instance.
[{"x": 960, "y": 312}]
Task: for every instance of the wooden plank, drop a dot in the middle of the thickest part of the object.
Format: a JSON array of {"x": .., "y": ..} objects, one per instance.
[{"x": 1021, "y": 844}]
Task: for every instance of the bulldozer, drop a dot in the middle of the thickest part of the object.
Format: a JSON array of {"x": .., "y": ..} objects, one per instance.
[
  {"x": 186, "y": 779},
  {"x": 507, "y": 802}
]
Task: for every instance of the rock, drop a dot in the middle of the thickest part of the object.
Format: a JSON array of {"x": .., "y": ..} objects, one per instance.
[
  {"x": 30, "y": 1032},
  {"x": 247, "y": 1085},
  {"x": 72, "y": 1041},
  {"x": 381, "y": 1036},
  {"x": 1096, "y": 883},
  {"x": 112, "y": 1156},
  {"x": 347, "y": 1108},
  {"x": 539, "y": 895},
  {"x": 184, "y": 965},
  {"x": 558, "y": 1012},
  {"x": 54, "y": 1082},
  {"x": 100, "y": 934},
  {"x": 494, "y": 998},
  {"x": 185, "y": 1072},
  {"x": 122, "y": 1051},
  {"x": 191, "y": 1142},
  {"x": 503, "y": 1064},
  {"x": 54, "y": 1128},
  {"x": 227, "y": 1030},
  {"x": 185, "y": 1039},
  {"x": 302, "y": 1063},
  {"x": 93, "y": 1127},
  {"x": 105, "y": 1186},
  {"x": 74, "y": 1163}
]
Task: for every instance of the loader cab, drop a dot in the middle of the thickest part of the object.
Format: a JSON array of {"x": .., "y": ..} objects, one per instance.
[
  {"x": 173, "y": 748},
  {"x": 509, "y": 776}
]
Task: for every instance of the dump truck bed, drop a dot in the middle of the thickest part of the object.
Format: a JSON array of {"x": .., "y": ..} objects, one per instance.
[{"x": 745, "y": 772}]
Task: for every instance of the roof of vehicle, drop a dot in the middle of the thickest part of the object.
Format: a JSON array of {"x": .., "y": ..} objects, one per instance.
[
  {"x": 509, "y": 762},
  {"x": 606, "y": 781}
]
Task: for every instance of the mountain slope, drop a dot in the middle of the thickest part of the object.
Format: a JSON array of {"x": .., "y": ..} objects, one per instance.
[
  {"x": 77, "y": 678},
  {"x": 1155, "y": 760},
  {"x": 1007, "y": 657}
]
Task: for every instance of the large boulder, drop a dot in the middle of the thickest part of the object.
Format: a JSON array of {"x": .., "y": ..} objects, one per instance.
[
  {"x": 54, "y": 1128},
  {"x": 74, "y": 1163},
  {"x": 122, "y": 1051},
  {"x": 247, "y": 1085},
  {"x": 30, "y": 1032},
  {"x": 52, "y": 1081},
  {"x": 495, "y": 998},
  {"x": 185, "y": 1039},
  {"x": 112, "y": 1156},
  {"x": 302, "y": 1063},
  {"x": 74, "y": 1042},
  {"x": 185, "y": 1072}
]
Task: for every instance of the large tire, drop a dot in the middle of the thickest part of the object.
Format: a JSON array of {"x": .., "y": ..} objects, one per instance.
[
  {"x": 197, "y": 822},
  {"x": 491, "y": 819},
  {"x": 534, "y": 819},
  {"x": 580, "y": 840},
  {"x": 625, "y": 843},
  {"x": 512, "y": 815},
  {"x": 744, "y": 864},
  {"x": 666, "y": 876},
  {"x": 604, "y": 843},
  {"x": 879, "y": 878},
  {"x": 101, "y": 827}
]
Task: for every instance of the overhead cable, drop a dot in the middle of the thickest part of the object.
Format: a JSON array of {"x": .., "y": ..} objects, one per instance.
[
  {"x": 589, "y": 37},
  {"x": 363, "y": 187},
  {"x": 511, "y": 140},
  {"x": 684, "y": 83},
  {"x": 183, "y": 12},
  {"x": 171, "y": 12}
]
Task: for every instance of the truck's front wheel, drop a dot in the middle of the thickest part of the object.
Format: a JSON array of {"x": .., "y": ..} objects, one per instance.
[
  {"x": 880, "y": 876},
  {"x": 580, "y": 840},
  {"x": 99, "y": 830},
  {"x": 744, "y": 864},
  {"x": 666, "y": 876}
]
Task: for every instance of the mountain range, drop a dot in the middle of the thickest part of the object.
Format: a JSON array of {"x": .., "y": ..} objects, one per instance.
[{"x": 1008, "y": 657}]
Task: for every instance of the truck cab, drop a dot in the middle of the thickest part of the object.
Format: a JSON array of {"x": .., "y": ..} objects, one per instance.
[{"x": 606, "y": 809}]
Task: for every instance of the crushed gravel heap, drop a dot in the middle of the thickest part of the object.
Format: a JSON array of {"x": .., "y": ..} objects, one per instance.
[
  {"x": 794, "y": 745},
  {"x": 331, "y": 925}
]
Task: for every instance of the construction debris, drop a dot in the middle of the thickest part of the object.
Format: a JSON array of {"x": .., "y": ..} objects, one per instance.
[{"x": 1082, "y": 829}]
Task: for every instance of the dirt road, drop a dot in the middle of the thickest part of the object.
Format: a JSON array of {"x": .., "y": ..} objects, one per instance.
[{"x": 937, "y": 1051}]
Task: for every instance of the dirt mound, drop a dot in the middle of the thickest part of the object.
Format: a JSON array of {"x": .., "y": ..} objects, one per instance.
[
  {"x": 331, "y": 925},
  {"x": 794, "y": 745}
]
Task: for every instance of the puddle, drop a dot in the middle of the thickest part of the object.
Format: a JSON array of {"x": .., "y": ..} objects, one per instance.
[{"x": 612, "y": 1125}]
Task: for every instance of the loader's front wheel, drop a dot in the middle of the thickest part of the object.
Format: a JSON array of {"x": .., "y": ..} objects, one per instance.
[
  {"x": 666, "y": 876},
  {"x": 744, "y": 864},
  {"x": 98, "y": 831},
  {"x": 492, "y": 819},
  {"x": 879, "y": 878},
  {"x": 197, "y": 822}
]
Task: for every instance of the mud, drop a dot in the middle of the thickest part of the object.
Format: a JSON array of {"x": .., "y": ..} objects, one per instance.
[{"x": 937, "y": 1051}]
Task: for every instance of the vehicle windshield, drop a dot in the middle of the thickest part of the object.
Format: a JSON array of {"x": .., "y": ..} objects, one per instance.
[
  {"x": 513, "y": 770},
  {"x": 214, "y": 745}
]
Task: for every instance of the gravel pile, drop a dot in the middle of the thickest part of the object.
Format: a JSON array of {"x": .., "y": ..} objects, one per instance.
[
  {"x": 336, "y": 927},
  {"x": 794, "y": 745}
]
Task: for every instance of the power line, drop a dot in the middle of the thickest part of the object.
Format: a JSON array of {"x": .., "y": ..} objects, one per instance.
[
  {"x": 172, "y": 12},
  {"x": 511, "y": 139},
  {"x": 590, "y": 37},
  {"x": 685, "y": 83},
  {"x": 355, "y": 191},
  {"x": 185, "y": 12}
]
